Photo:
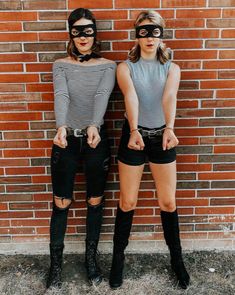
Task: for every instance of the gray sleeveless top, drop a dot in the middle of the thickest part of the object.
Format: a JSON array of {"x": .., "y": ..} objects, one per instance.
[
  {"x": 82, "y": 93},
  {"x": 149, "y": 79}
]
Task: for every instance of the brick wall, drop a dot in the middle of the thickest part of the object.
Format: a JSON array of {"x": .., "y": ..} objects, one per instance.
[{"x": 200, "y": 33}]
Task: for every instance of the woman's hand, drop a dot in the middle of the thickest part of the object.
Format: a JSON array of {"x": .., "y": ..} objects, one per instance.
[
  {"x": 60, "y": 138},
  {"x": 169, "y": 139},
  {"x": 136, "y": 141},
  {"x": 93, "y": 137}
]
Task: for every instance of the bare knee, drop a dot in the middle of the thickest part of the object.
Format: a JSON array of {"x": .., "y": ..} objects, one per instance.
[
  {"x": 61, "y": 202},
  {"x": 127, "y": 205},
  {"x": 168, "y": 206},
  {"x": 94, "y": 201}
]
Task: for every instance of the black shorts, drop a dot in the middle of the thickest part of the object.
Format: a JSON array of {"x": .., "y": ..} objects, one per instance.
[
  {"x": 65, "y": 162},
  {"x": 152, "y": 151}
]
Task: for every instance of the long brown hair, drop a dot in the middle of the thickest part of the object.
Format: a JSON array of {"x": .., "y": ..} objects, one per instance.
[
  {"x": 162, "y": 53},
  {"x": 73, "y": 17}
]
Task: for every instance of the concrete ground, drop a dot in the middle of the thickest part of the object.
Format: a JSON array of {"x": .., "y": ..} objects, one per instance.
[{"x": 145, "y": 274}]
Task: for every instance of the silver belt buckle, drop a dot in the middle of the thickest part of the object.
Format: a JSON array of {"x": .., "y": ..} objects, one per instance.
[{"x": 77, "y": 133}]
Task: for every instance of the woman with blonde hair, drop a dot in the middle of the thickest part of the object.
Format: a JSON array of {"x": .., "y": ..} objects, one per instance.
[{"x": 149, "y": 82}]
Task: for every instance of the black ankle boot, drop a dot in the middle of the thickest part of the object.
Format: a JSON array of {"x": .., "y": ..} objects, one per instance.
[
  {"x": 93, "y": 271},
  {"x": 122, "y": 231},
  {"x": 171, "y": 233},
  {"x": 54, "y": 277}
]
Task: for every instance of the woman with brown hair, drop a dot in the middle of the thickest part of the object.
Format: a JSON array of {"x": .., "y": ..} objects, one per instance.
[
  {"x": 83, "y": 82},
  {"x": 149, "y": 83}
]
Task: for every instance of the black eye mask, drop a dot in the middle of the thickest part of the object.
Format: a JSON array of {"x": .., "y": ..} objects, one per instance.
[
  {"x": 83, "y": 31},
  {"x": 146, "y": 31}
]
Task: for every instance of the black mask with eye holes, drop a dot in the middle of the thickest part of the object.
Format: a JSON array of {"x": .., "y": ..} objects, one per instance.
[
  {"x": 83, "y": 31},
  {"x": 146, "y": 31}
]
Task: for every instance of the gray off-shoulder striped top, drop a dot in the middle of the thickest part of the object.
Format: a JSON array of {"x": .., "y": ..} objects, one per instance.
[{"x": 82, "y": 93}]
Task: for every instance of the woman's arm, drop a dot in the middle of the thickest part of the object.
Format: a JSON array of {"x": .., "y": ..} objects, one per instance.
[
  {"x": 169, "y": 106},
  {"x": 131, "y": 104},
  {"x": 61, "y": 103}
]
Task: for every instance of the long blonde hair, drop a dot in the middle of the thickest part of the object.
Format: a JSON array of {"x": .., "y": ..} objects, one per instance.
[{"x": 162, "y": 53}]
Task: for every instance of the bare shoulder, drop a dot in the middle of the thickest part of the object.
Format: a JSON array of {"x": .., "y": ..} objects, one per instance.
[
  {"x": 123, "y": 67},
  {"x": 174, "y": 68}
]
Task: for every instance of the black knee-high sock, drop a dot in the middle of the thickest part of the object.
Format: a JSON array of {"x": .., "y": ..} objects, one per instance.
[{"x": 58, "y": 225}]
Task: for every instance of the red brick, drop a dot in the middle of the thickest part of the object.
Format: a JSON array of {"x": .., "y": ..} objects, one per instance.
[
  {"x": 24, "y": 78},
  {"x": 24, "y": 153},
  {"x": 179, "y": 44},
  {"x": 195, "y": 54},
  {"x": 183, "y": 3},
  {"x": 13, "y": 107},
  {"x": 14, "y": 162},
  {"x": 13, "y": 37},
  {"x": 21, "y": 57},
  {"x": 186, "y": 158},
  {"x": 228, "y": 33},
  {"x": 195, "y": 94},
  {"x": 185, "y": 122},
  {"x": 39, "y": 67},
  {"x": 113, "y": 14},
  {"x": 20, "y": 116},
  {"x": 112, "y": 35},
  {"x": 136, "y": 3},
  {"x": 184, "y": 34},
  {"x": 59, "y": 36},
  {"x": 167, "y": 13},
  {"x": 25, "y": 171},
  {"x": 13, "y": 144},
  {"x": 184, "y": 23},
  {"x": 217, "y": 84},
  {"x": 13, "y": 26},
  {"x": 198, "y": 13},
  {"x": 41, "y": 179},
  {"x": 14, "y": 88},
  {"x": 12, "y": 126},
  {"x": 217, "y": 140},
  {"x": 42, "y": 87},
  {"x": 188, "y": 64},
  {"x": 44, "y": 4},
  {"x": 225, "y": 94},
  {"x": 224, "y": 149},
  {"x": 216, "y": 193},
  {"x": 192, "y": 75},
  {"x": 230, "y": 64},
  {"x": 28, "y": 206},
  {"x": 72, "y": 4},
  {"x": 18, "y": 16},
  {"x": 194, "y": 167},
  {"x": 227, "y": 13},
  {"x": 222, "y": 103},
  {"x": 216, "y": 175},
  {"x": 20, "y": 135},
  {"x": 11, "y": 68},
  {"x": 195, "y": 131},
  {"x": 222, "y": 210},
  {"x": 221, "y": 3}
]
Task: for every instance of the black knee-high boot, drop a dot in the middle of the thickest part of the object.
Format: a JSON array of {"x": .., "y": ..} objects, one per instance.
[
  {"x": 122, "y": 231},
  {"x": 93, "y": 227},
  {"x": 57, "y": 233},
  {"x": 171, "y": 233}
]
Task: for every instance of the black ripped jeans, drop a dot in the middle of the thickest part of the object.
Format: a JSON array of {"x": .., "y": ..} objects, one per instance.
[{"x": 64, "y": 165}]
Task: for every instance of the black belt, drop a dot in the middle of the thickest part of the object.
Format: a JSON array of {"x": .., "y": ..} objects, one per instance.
[
  {"x": 76, "y": 132},
  {"x": 151, "y": 132}
]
